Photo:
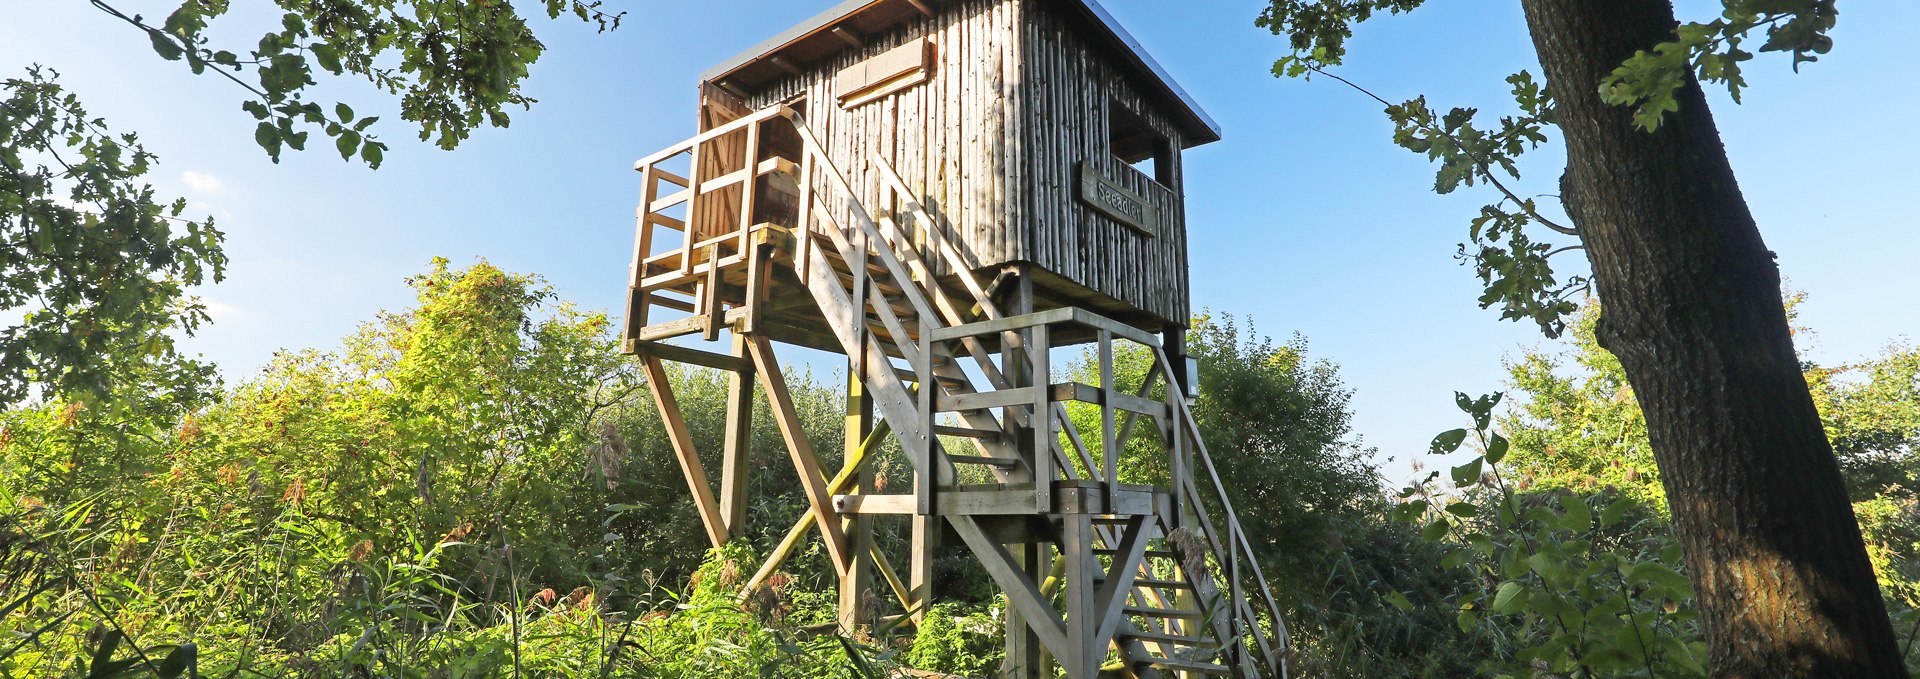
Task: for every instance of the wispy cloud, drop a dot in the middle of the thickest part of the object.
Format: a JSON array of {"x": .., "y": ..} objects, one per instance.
[
  {"x": 221, "y": 311},
  {"x": 200, "y": 182}
]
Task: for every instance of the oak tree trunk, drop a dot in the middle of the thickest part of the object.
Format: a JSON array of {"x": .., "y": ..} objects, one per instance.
[{"x": 1692, "y": 307}]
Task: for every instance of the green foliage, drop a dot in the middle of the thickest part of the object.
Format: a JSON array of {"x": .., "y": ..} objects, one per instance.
[
  {"x": 1577, "y": 427},
  {"x": 1573, "y": 584},
  {"x": 95, "y": 262},
  {"x": 957, "y": 638},
  {"x": 467, "y": 487},
  {"x": 1317, "y": 32},
  {"x": 1575, "y": 424},
  {"x": 454, "y": 66},
  {"x": 1713, "y": 51}
]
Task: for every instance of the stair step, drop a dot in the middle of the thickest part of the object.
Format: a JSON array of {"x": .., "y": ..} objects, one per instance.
[
  {"x": 1154, "y": 582},
  {"x": 1165, "y": 638},
  {"x": 907, "y": 374},
  {"x": 1151, "y": 553},
  {"x": 902, "y": 311},
  {"x": 1152, "y": 612},
  {"x": 876, "y": 272},
  {"x": 1112, "y": 520},
  {"x": 1188, "y": 665},
  {"x": 967, "y": 432},
  {"x": 1002, "y": 462}
]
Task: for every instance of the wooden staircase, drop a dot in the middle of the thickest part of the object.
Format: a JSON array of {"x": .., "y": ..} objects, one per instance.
[{"x": 959, "y": 369}]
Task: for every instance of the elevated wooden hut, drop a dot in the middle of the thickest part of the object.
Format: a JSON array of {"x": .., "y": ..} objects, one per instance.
[{"x": 947, "y": 191}]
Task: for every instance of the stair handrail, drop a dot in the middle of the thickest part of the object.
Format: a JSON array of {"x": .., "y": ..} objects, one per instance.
[{"x": 1189, "y": 427}]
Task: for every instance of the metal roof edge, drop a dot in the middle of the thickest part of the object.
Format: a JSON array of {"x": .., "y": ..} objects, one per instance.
[{"x": 1139, "y": 52}]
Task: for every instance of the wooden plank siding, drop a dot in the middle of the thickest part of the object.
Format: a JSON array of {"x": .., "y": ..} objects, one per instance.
[
  {"x": 1069, "y": 83},
  {"x": 1016, "y": 99}
]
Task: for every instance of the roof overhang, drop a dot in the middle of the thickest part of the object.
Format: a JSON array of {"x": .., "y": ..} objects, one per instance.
[{"x": 849, "y": 22}]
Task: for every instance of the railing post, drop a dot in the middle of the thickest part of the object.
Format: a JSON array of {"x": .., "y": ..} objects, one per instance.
[
  {"x": 1109, "y": 444},
  {"x": 691, "y": 235},
  {"x": 1041, "y": 418},
  {"x": 642, "y": 248},
  {"x": 749, "y": 189},
  {"x": 1177, "y": 471},
  {"x": 802, "y": 255},
  {"x": 928, "y": 387},
  {"x": 857, "y": 268}
]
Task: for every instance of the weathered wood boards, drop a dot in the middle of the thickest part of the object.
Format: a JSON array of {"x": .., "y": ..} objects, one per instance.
[{"x": 1001, "y": 113}]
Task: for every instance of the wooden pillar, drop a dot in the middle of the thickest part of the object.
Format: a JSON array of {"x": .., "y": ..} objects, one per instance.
[
  {"x": 1026, "y": 656},
  {"x": 1174, "y": 340},
  {"x": 925, "y": 541},
  {"x": 738, "y": 443},
  {"x": 856, "y": 585},
  {"x": 1083, "y": 612}
]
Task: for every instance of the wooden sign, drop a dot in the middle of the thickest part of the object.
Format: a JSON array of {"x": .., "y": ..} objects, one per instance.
[
  {"x": 884, "y": 73},
  {"x": 1109, "y": 198}
]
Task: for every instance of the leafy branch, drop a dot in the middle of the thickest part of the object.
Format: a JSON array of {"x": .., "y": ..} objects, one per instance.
[
  {"x": 1712, "y": 52},
  {"x": 454, "y": 66}
]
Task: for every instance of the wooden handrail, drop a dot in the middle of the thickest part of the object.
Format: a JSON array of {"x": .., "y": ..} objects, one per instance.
[
  {"x": 715, "y": 133},
  {"x": 1188, "y": 427}
]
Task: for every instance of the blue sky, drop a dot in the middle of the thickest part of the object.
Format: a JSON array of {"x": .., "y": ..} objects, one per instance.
[{"x": 1305, "y": 218}]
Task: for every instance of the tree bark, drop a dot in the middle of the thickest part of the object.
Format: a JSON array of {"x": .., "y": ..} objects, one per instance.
[{"x": 1692, "y": 307}]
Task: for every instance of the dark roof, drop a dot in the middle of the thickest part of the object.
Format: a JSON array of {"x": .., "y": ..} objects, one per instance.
[{"x": 812, "y": 39}]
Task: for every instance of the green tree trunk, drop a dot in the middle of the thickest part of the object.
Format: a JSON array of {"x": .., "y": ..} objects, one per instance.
[{"x": 1693, "y": 311}]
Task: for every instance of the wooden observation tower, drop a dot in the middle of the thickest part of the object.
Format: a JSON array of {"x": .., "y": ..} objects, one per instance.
[{"x": 947, "y": 192}]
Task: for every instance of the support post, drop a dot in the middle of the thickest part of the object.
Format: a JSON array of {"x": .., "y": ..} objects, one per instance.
[
  {"x": 734, "y": 461},
  {"x": 856, "y": 585},
  {"x": 925, "y": 541},
  {"x": 682, "y": 441},
  {"x": 1110, "y": 446},
  {"x": 1083, "y": 612},
  {"x": 805, "y": 462},
  {"x": 1026, "y": 655}
]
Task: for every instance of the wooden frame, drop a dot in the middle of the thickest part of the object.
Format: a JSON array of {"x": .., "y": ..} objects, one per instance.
[{"x": 875, "y": 284}]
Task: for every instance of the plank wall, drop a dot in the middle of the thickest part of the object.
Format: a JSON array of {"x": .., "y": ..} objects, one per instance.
[{"x": 1016, "y": 100}]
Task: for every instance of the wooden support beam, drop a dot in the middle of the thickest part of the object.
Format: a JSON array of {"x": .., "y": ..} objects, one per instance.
[
  {"x": 848, "y": 36},
  {"x": 857, "y": 583},
  {"x": 683, "y": 450},
  {"x": 924, "y": 481},
  {"x": 785, "y": 65},
  {"x": 1017, "y": 396},
  {"x": 1044, "y": 438},
  {"x": 840, "y": 484},
  {"x": 738, "y": 442},
  {"x": 1023, "y": 594},
  {"x": 921, "y": 5},
  {"x": 680, "y": 354},
  {"x": 805, "y": 461},
  {"x": 1083, "y": 652},
  {"x": 925, "y": 540},
  {"x": 1120, "y": 575},
  {"x": 1086, "y": 393},
  {"x": 998, "y": 502},
  {"x": 1109, "y": 451},
  {"x": 710, "y": 297},
  {"x": 672, "y": 329}
]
